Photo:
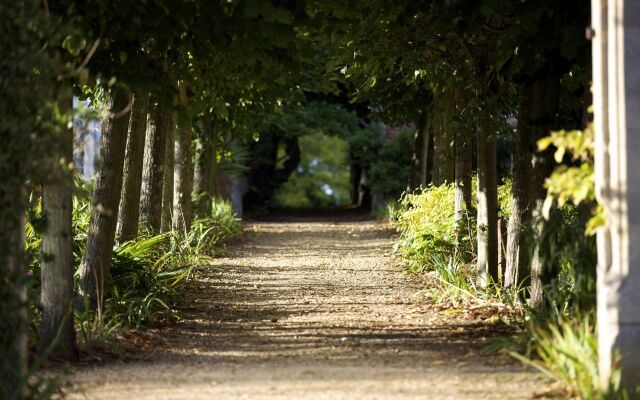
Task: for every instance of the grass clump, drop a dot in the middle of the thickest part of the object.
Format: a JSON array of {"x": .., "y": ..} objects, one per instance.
[{"x": 566, "y": 351}]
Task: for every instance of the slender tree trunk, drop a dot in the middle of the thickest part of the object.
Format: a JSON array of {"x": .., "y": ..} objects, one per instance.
[
  {"x": 431, "y": 170},
  {"x": 420, "y": 153},
  {"x": 13, "y": 289},
  {"x": 517, "y": 269},
  {"x": 204, "y": 174},
  {"x": 487, "y": 202},
  {"x": 355, "y": 175},
  {"x": 57, "y": 334},
  {"x": 417, "y": 154},
  {"x": 153, "y": 168},
  {"x": 134, "y": 155},
  {"x": 167, "y": 186},
  {"x": 502, "y": 248},
  {"x": 438, "y": 149},
  {"x": 463, "y": 172},
  {"x": 543, "y": 111},
  {"x": 447, "y": 171},
  {"x": 94, "y": 268},
  {"x": 215, "y": 165},
  {"x": 424, "y": 156},
  {"x": 413, "y": 172},
  {"x": 183, "y": 172}
]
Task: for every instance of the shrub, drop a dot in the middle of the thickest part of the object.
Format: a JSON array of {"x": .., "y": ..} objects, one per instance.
[
  {"x": 427, "y": 225},
  {"x": 567, "y": 352}
]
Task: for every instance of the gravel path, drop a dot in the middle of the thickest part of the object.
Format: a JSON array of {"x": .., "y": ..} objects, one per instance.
[{"x": 311, "y": 311}]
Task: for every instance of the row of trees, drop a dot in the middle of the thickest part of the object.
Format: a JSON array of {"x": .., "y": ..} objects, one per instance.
[
  {"x": 175, "y": 77},
  {"x": 461, "y": 72},
  {"x": 171, "y": 80}
]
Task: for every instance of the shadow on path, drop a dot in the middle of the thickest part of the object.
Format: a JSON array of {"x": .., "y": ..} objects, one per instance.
[{"x": 303, "y": 310}]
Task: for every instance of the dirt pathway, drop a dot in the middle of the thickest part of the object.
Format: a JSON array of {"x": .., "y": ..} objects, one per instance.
[{"x": 311, "y": 311}]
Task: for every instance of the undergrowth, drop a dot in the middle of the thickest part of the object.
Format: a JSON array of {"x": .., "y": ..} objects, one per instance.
[
  {"x": 559, "y": 342},
  {"x": 148, "y": 274}
]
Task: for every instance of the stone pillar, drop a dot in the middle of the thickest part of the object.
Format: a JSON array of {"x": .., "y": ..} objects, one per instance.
[{"x": 616, "y": 94}]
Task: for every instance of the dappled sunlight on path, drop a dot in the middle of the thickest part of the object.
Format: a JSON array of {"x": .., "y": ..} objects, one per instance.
[{"x": 312, "y": 311}]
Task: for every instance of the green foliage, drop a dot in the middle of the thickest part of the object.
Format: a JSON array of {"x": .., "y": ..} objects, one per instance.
[
  {"x": 504, "y": 198},
  {"x": 322, "y": 176},
  {"x": 148, "y": 274},
  {"x": 31, "y": 119},
  {"x": 427, "y": 226},
  {"x": 567, "y": 352},
  {"x": 572, "y": 183},
  {"x": 453, "y": 280},
  {"x": 390, "y": 166}
]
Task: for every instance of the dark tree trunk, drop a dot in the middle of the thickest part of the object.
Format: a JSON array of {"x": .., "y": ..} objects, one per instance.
[
  {"x": 134, "y": 155},
  {"x": 167, "y": 186},
  {"x": 416, "y": 153},
  {"x": 13, "y": 293},
  {"x": 418, "y": 175},
  {"x": 447, "y": 166},
  {"x": 423, "y": 167},
  {"x": 543, "y": 115},
  {"x": 57, "y": 334},
  {"x": 183, "y": 172},
  {"x": 355, "y": 175},
  {"x": 94, "y": 268},
  {"x": 487, "y": 201},
  {"x": 153, "y": 168},
  {"x": 517, "y": 269},
  {"x": 214, "y": 184},
  {"x": 438, "y": 149},
  {"x": 502, "y": 247},
  {"x": 463, "y": 171},
  {"x": 204, "y": 169}
]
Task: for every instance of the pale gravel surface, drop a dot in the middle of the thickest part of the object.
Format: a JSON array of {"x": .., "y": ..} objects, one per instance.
[{"x": 311, "y": 311}]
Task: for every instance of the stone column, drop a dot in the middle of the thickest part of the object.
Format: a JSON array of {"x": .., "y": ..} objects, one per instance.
[{"x": 616, "y": 94}]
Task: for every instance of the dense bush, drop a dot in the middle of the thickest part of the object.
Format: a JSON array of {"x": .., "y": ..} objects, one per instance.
[{"x": 427, "y": 225}]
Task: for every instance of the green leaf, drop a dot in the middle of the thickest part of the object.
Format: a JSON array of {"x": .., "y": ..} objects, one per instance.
[{"x": 74, "y": 44}]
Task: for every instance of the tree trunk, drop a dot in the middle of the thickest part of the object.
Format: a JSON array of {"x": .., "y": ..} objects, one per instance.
[
  {"x": 57, "y": 334},
  {"x": 134, "y": 155},
  {"x": 463, "y": 172},
  {"x": 167, "y": 186},
  {"x": 13, "y": 291},
  {"x": 418, "y": 176},
  {"x": 355, "y": 173},
  {"x": 487, "y": 202},
  {"x": 438, "y": 149},
  {"x": 215, "y": 165},
  {"x": 424, "y": 156},
  {"x": 183, "y": 174},
  {"x": 153, "y": 168},
  {"x": 502, "y": 247},
  {"x": 543, "y": 111},
  {"x": 447, "y": 166},
  {"x": 416, "y": 155},
  {"x": 94, "y": 268},
  {"x": 206, "y": 153},
  {"x": 517, "y": 269}
]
